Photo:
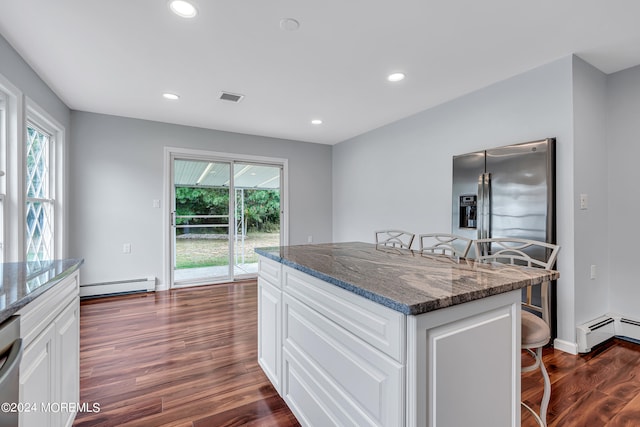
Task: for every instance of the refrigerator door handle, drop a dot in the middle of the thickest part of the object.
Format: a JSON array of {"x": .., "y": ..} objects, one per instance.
[{"x": 486, "y": 208}]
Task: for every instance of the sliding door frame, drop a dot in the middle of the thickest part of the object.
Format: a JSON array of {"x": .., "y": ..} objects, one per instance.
[{"x": 171, "y": 153}]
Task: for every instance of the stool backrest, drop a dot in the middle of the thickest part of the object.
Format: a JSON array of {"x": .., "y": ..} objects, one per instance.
[
  {"x": 518, "y": 252},
  {"x": 444, "y": 243},
  {"x": 394, "y": 238}
]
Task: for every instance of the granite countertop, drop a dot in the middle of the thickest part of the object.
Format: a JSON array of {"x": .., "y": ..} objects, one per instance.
[
  {"x": 406, "y": 281},
  {"x": 22, "y": 282}
]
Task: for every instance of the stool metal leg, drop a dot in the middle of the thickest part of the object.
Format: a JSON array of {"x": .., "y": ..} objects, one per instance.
[{"x": 546, "y": 396}]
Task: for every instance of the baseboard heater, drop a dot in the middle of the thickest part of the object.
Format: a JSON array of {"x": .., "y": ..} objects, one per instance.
[
  {"x": 146, "y": 284},
  {"x": 606, "y": 327}
]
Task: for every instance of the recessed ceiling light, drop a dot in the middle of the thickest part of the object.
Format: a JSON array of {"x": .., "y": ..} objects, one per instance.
[
  {"x": 395, "y": 77},
  {"x": 183, "y": 8},
  {"x": 171, "y": 96},
  {"x": 316, "y": 122}
]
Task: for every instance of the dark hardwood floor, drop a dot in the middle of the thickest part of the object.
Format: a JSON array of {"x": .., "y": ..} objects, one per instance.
[
  {"x": 188, "y": 358},
  {"x": 176, "y": 358},
  {"x": 599, "y": 389}
]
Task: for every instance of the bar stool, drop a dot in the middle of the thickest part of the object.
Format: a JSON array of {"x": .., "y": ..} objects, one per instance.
[
  {"x": 394, "y": 239},
  {"x": 444, "y": 243},
  {"x": 535, "y": 330}
]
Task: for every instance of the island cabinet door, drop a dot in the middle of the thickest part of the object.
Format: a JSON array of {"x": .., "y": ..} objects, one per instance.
[
  {"x": 464, "y": 364},
  {"x": 270, "y": 331},
  {"x": 333, "y": 378}
]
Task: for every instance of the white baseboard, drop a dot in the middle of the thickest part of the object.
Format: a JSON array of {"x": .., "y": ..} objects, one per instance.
[
  {"x": 147, "y": 284},
  {"x": 566, "y": 346}
]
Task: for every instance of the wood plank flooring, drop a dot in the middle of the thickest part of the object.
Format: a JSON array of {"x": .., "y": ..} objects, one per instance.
[
  {"x": 188, "y": 358},
  {"x": 599, "y": 389},
  {"x": 176, "y": 358}
]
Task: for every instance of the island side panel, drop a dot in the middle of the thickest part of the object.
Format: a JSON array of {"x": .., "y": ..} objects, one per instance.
[
  {"x": 270, "y": 320},
  {"x": 463, "y": 364}
]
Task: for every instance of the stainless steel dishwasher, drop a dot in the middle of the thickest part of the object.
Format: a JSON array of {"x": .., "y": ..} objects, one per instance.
[{"x": 10, "y": 356}]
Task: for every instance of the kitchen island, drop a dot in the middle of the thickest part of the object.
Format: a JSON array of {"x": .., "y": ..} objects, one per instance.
[{"x": 354, "y": 334}]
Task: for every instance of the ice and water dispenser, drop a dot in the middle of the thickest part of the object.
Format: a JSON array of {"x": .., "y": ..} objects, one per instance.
[{"x": 468, "y": 210}]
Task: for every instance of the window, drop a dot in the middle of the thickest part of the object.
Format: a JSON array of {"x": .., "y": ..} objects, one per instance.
[
  {"x": 40, "y": 202},
  {"x": 31, "y": 179},
  {"x": 3, "y": 167}
]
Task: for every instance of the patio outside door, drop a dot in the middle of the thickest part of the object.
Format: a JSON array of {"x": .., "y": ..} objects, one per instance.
[{"x": 221, "y": 211}]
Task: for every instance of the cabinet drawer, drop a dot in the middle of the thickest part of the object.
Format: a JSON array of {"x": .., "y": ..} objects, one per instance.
[
  {"x": 379, "y": 326},
  {"x": 270, "y": 270},
  {"x": 328, "y": 370}
]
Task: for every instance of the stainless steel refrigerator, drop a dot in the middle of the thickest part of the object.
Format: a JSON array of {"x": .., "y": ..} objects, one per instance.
[{"x": 507, "y": 192}]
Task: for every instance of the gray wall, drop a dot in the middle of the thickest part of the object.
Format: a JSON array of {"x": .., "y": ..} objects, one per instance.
[
  {"x": 591, "y": 178},
  {"x": 116, "y": 170},
  {"x": 623, "y": 134},
  {"x": 399, "y": 176}
]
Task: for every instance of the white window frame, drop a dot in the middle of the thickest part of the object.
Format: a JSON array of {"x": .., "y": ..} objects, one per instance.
[
  {"x": 42, "y": 120},
  {"x": 11, "y": 165},
  {"x": 4, "y": 119}
]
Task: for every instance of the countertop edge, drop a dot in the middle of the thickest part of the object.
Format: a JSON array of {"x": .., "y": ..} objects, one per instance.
[
  {"x": 387, "y": 302},
  {"x": 22, "y": 302},
  {"x": 415, "y": 309}
]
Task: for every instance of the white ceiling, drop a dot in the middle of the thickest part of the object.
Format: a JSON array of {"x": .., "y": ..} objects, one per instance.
[{"x": 118, "y": 56}]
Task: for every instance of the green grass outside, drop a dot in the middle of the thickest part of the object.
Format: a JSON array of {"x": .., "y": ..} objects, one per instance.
[{"x": 194, "y": 253}]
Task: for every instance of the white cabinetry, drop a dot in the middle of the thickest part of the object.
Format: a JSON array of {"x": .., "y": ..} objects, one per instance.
[
  {"x": 270, "y": 320},
  {"x": 463, "y": 364},
  {"x": 49, "y": 371},
  {"x": 342, "y": 355},
  {"x": 338, "y": 358},
  {"x": 37, "y": 373},
  {"x": 68, "y": 347}
]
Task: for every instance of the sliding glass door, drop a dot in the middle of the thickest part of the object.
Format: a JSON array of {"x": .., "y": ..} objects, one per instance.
[
  {"x": 221, "y": 211},
  {"x": 257, "y": 213},
  {"x": 201, "y": 221}
]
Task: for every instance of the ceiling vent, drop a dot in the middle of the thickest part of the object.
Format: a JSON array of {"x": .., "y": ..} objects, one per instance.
[{"x": 232, "y": 97}]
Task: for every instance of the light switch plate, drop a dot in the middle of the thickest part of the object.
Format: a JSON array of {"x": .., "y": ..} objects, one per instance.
[{"x": 584, "y": 201}]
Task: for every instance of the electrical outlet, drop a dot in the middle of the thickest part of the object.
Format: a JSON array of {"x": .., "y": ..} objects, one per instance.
[
  {"x": 593, "y": 272},
  {"x": 156, "y": 203},
  {"x": 126, "y": 248},
  {"x": 309, "y": 239}
]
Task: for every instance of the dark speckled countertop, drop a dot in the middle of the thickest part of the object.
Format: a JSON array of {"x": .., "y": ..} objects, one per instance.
[
  {"x": 406, "y": 281},
  {"x": 22, "y": 282}
]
